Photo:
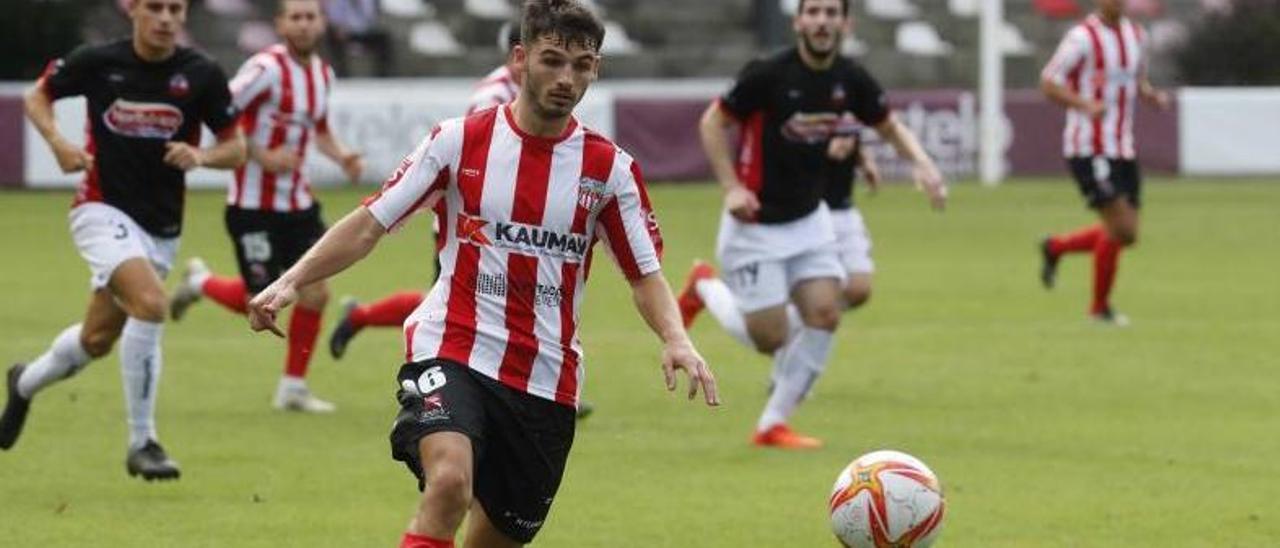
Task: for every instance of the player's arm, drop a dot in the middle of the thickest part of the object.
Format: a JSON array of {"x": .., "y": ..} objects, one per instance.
[
  {"x": 1069, "y": 57},
  {"x": 713, "y": 129},
  {"x": 227, "y": 153},
  {"x": 1148, "y": 92},
  {"x": 925, "y": 172},
  {"x": 63, "y": 78},
  {"x": 652, "y": 296},
  {"x": 350, "y": 240},
  {"x": 351, "y": 161}
]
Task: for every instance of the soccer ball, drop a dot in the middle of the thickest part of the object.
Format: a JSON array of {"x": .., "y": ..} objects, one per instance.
[{"x": 886, "y": 499}]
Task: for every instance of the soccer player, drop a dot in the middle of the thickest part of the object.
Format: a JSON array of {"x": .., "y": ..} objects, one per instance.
[
  {"x": 147, "y": 98},
  {"x": 796, "y": 110},
  {"x": 499, "y": 87},
  {"x": 494, "y": 361},
  {"x": 271, "y": 215},
  {"x": 1099, "y": 70}
]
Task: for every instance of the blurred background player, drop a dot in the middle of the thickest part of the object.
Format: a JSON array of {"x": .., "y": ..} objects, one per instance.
[
  {"x": 797, "y": 111},
  {"x": 1097, "y": 73},
  {"x": 271, "y": 215},
  {"x": 147, "y": 98},
  {"x": 495, "y": 368}
]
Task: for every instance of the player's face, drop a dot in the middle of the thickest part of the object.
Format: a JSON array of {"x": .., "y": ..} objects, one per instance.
[
  {"x": 156, "y": 23},
  {"x": 1111, "y": 8},
  {"x": 301, "y": 23},
  {"x": 556, "y": 74},
  {"x": 820, "y": 26}
]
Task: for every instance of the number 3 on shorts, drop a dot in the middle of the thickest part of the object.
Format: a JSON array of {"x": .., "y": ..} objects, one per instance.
[{"x": 431, "y": 380}]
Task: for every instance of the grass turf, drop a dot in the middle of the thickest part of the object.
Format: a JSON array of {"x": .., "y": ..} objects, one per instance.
[{"x": 1046, "y": 430}]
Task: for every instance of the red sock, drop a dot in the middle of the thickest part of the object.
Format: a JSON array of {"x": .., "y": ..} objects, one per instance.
[
  {"x": 304, "y": 326},
  {"x": 1106, "y": 255},
  {"x": 1082, "y": 240},
  {"x": 228, "y": 291},
  {"x": 388, "y": 312},
  {"x": 411, "y": 540}
]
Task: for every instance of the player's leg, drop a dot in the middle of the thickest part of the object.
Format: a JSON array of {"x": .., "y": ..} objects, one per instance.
[
  {"x": 853, "y": 248},
  {"x": 292, "y": 393},
  {"x": 137, "y": 288},
  {"x": 198, "y": 282},
  {"x": 1121, "y": 220},
  {"x": 815, "y": 278},
  {"x": 1087, "y": 173},
  {"x": 447, "y": 466},
  {"x": 389, "y": 311},
  {"x": 71, "y": 350},
  {"x": 857, "y": 290},
  {"x": 482, "y": 533}
]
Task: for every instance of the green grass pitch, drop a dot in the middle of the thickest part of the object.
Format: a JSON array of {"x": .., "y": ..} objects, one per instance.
[{"x": 1046, "y": 430}]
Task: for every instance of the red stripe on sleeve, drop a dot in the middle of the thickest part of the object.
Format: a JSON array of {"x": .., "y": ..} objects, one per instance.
[
  {"x": 1099, "y": 83},
  {"x": 751, "y": 153}
]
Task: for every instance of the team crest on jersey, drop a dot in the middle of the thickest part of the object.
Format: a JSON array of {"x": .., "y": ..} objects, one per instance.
[
  {"x": 143, "y": 120},
  {"x": 471, "y": 230},
  {"x": 838, "y": 95},
  {"x": 590, "y": 194},
  {"x": 179, "y": 86}
]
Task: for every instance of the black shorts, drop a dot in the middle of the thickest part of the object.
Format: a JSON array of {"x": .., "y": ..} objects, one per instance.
[
  {"x": 269, "y": 242},
  {"x": 1104, "y": 180},
  {"x": 520, "y": 442}
]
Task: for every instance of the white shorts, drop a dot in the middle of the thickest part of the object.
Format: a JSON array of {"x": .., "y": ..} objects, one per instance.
[
  {"x": 853, "y": 241},
  {"x": 106, "y": 237},
  {"x": 763, "y": 262}
]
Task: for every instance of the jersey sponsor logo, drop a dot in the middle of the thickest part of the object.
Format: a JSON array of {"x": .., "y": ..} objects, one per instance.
[
  {"x": 590, "y": 194},
  {"x": 540, "y": 241},
  {"x": 143, "y": 120},
  {"x": 179, "y": 86},
  {"x": 815, "y": 128},
  {"x": 471, "y": 230},
  {"x": 498, "y": 285}
]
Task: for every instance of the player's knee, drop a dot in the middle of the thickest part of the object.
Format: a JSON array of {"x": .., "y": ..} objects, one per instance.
[
  {"x": 768, "y": 343},
  {"x": 450, "y": 485},
  {"x": 97, "y": 343},
  {"x": 825, "y": 317},
  {"x": 314, "y": 296},
  {"x": 856, "y": 296},
  {"x": 148, "y": 306}
]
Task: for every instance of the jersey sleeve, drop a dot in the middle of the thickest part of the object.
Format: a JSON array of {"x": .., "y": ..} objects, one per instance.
[
  {"x": 628, "y": 224},
  {"x": 216, "y": 107},
  {"x": 870, "y": 104},
  {"x": 253, "y": 81},
  {"x": 67, "y": 76},
  {"x": 1071, "y": 53},
  {"x": 420, "y": 180},
  {"x": 331, "y": 80},
  {"x": 749, "y": 93}
]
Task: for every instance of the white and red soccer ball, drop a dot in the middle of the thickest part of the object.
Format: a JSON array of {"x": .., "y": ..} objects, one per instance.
[{"x": 887, "y": 499}]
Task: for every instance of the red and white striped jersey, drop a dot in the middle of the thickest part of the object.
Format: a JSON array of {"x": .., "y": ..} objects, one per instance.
[
  {"x": 521, "y": 215},
  {"x": 1101, "y": 63},
  {"x": 497, "y": 88},
  {"x": 282, "y": 102}
]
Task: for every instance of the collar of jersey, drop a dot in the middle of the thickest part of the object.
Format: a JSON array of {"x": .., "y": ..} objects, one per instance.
[{"x": 511, "y": 122}]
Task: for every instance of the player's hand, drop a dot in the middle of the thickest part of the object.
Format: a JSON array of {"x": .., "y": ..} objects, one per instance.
[
  {"x": 1162, "y": 99},
  {"x": 741, "y": 203},
  {"x": 352, "y": 166},
  {"x": 1092, "y": 109},
  {"x": 930, "y": 181},
  {"x": 182, "y": 156},
  {"x": 264, "y": 308},
  {"x": 71, "y": 158},
  {"x": 841, "y": 147},
  {"x": 279, "y": 160},
  {"x": 682, "y": 355},
  {"x": 870, "y": 171}
]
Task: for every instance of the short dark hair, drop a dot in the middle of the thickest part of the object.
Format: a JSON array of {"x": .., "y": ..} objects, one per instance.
[
  {"x": 280, "y": 6},
  {"x": 844, "y": 5},
  {"x": 509, "y": 35},
  {"x": 567, "y": 20}
]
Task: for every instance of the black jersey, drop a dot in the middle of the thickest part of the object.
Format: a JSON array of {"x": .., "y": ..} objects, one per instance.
[
  {"x": 134, "y": 108},
  {"x": 789, "y": 112},
  {"x": 840, "y": 176}
]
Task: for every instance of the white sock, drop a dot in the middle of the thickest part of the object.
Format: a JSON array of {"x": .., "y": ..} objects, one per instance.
[
  {"x": 63, "y": 359},
  {"x": 290, "y": 384},
  {"x": 794, "y": 321},
  {"x": 140, "y": 366},
  {"x": 724, "y": 308},
  {"x": 799, "y": 364},
  {"x": 196, "y": 280}
]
